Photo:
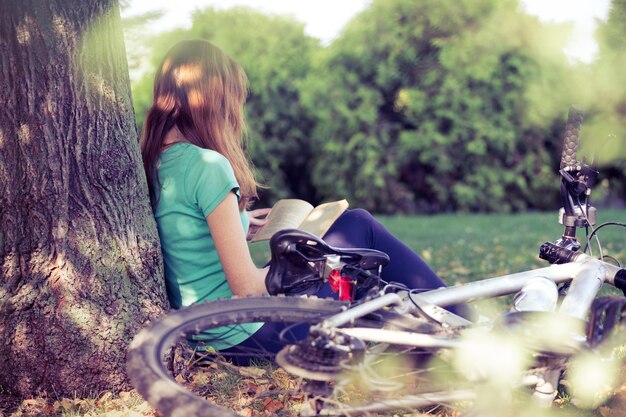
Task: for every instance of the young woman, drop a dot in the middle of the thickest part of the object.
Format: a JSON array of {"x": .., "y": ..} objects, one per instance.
[{"x": 201, "y": 184}]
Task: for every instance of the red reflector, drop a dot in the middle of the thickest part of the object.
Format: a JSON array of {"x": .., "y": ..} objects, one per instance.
[{"x": 340, "y": 284}]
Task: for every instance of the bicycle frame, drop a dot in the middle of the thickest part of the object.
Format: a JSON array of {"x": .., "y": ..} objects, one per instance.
[{"x": 586, "y": 274}]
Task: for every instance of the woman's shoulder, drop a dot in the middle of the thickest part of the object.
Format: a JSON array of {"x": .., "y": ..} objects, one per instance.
[
  {"x": 205, "y": 163},
  {"x": 202, "y": 155},
  {"x": 189, "y": 154}
]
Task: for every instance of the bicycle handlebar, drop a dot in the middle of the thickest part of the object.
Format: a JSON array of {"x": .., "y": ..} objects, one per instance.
[{"x": 571, "y": 137}]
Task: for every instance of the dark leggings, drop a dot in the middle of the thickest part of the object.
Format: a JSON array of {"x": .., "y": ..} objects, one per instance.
[{"x": 359, "y": 229}]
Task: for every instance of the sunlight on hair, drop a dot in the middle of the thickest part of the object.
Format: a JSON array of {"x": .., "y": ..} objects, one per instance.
[
  {"x": 166, "y": 66},
  {"x": 164, "y": 101},
  {"x": 187, "y": 74},
  {"x": 195, "y": 98},
  {"x": 591, "y": 378}
]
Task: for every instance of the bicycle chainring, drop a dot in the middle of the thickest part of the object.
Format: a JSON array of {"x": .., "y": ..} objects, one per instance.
[{"x": 320, "y": 358}]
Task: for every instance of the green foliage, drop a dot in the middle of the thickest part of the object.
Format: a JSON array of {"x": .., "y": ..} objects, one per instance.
[
  {"x": 606, "y": 103},
  {"x": 436, "y": 105},
  {"x": 433, "y": 107}
]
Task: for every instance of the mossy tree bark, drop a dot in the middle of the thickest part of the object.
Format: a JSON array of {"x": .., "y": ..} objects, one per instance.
[{"x": 80, "y": 263}]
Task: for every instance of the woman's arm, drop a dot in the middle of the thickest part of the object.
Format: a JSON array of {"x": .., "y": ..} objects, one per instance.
[{"x": 242, "y": 274}]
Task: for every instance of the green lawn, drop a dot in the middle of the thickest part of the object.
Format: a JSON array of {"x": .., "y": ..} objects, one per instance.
[
  {"x": 459, "y": 247},
  {"x": 467, "y": 247}
]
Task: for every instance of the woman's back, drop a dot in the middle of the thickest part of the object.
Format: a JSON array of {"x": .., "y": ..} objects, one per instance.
[{"x": 193, "y": 181}]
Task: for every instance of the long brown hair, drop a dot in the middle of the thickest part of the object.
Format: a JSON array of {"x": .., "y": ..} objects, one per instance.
[{"x": 201, "y": 91}]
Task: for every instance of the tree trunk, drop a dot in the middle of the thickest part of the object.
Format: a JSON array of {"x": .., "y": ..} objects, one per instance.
[{"x": 80, "y": 261}]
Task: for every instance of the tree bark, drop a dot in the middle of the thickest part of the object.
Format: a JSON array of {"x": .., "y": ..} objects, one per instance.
[{"x": 80, "y": 261}]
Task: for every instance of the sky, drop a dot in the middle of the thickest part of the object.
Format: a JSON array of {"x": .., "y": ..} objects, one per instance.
[{"x": 324, "y": 19}]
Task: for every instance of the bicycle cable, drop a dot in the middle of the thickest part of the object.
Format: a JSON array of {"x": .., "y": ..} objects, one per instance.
[
  {"x": 402, "y": 287},
  {"x": 615, "y": 260},
  {"x": 587, "y": 226},
  {"x": 418, "y": 307},
  {"x": 595, "y": 231}
]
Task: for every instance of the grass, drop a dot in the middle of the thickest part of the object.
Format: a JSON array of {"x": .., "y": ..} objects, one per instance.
[
  {"x": 467, "y": 247},
  {"x": 459, "y": 248},
  {"x": 463, "y": 248}
]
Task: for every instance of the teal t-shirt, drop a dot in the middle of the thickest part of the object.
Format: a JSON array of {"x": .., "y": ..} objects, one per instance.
[{"x": 193, "y": 181}]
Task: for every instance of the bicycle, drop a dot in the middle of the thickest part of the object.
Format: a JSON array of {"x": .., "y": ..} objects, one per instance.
[{"x": 377, "y": 328}]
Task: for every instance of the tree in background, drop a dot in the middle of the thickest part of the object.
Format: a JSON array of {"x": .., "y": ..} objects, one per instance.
[
  {"x": 435, "y": 107},
  {"x": 80, "y": 262}
]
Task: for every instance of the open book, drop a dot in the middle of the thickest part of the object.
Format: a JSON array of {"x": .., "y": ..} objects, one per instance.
[{"x": 298, "y": 214}]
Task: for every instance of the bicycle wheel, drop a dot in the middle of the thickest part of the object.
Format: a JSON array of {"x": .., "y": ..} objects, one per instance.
[{"x": 325, "y": 394}]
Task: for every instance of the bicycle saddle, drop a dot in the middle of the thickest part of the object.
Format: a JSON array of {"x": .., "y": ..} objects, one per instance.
[{"x": 299, "y": 259}]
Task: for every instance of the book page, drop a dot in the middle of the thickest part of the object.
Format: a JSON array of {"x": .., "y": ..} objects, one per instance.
[
  {"x": 322, "y": 217},
  {"x": 286, "y": 214}
]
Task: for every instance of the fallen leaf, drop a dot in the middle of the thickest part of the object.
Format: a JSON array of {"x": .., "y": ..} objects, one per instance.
[
  {"x": 247, "y": 412},
  {"x": 242, "y": 401},
  {"x": 144, "y": 408},
  {"x": 272, "y": 405},
  {"x": 252, "y": 388},
  {"x": 116, "y": 413},
  {"x": 262, "y": 381},
  {"x": 66, "y": 404},
  {"x": 252, "y": 372},
  {"x": 105, "y": 397},
  {"x": 610, "y": 412}
]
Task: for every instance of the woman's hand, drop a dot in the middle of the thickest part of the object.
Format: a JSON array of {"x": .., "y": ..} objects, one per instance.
[{"x": 257, "y": 218}]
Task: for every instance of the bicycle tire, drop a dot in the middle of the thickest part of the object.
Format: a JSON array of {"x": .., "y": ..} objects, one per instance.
[{"x": 147, "y": 369}]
